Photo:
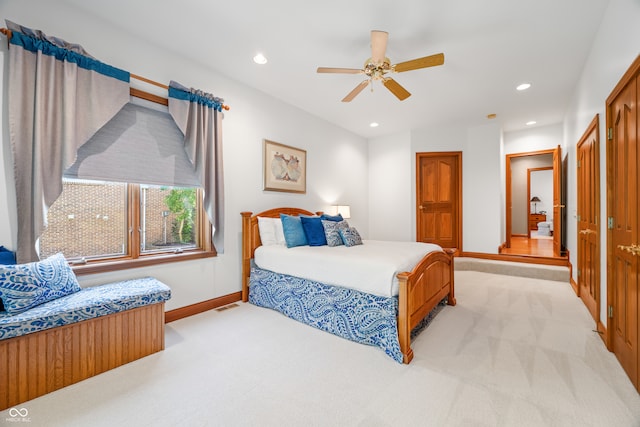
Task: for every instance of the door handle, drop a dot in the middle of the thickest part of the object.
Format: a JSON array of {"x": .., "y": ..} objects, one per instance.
[
  {"x": 633, "y": 249},
  {"x": 558, "y": 206},
  {"x": 422, "y": 207}
]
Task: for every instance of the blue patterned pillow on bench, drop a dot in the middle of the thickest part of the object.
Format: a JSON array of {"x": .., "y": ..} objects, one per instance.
[{"x": 23, "y": 286}]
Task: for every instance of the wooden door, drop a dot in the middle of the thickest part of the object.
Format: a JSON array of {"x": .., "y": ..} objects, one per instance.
[
  {"x": 588, "y": 170},
  {"x": 558, "y": 207},
  {"x": 439, "y": 199},
  {"x": 622, "y": 197}
]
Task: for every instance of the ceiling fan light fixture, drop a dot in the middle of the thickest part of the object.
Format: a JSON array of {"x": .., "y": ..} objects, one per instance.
[
  {"x": 378, "y": 66},
  {"x": 260, "y": 59}
]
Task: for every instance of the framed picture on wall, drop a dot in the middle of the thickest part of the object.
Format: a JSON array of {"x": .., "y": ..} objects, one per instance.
[{"x": 285, "y": 168}]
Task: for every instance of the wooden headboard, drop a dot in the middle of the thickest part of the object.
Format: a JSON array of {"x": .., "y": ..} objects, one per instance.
[{"x": 251, "y": 239}]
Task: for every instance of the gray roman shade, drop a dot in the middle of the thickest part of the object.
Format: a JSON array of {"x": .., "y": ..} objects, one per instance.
[{"x": 140, "y": 144}]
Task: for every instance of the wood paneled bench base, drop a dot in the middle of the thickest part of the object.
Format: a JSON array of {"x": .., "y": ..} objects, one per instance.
[{"x": 41, "y": 362}]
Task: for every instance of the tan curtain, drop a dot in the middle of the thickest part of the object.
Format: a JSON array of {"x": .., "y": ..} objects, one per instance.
[
  {"x": 59, "y": 96},
  {"x": 199, "y": 117}
]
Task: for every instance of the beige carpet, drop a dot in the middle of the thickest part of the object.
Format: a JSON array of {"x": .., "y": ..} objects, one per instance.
[{"x": 514, "y": 352}]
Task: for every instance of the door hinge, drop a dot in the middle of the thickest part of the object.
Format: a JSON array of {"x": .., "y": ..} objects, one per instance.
[
  {"x": 579, "y": 272},
  {"x": 578, "y": 218},
  {"x": 579, "y": 163},
  {"x": 610, "y": 312},
  {"x": 610, "y": 223},
  {"x": 610, "y": 134}
]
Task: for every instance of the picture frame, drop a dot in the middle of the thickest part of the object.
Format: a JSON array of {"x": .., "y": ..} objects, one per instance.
[{"x": 285, "y": 168}]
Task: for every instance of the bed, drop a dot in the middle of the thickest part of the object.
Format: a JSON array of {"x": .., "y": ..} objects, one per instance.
[{"x": 391, "y": 319}]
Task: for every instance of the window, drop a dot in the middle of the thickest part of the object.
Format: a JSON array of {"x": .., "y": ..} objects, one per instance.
[{"x": 102, "y": 226}]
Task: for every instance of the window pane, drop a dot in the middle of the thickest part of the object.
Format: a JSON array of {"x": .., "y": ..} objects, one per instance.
[
  {"x": 89, "y": 220},
  {"x": 168, "y": 218}
]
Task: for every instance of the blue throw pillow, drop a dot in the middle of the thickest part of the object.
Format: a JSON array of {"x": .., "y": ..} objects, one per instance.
[
  {"x": 6, "y": 256},
  {"x": 23, "y": 286},
  {"x": 350, "y": 236},
  {"x": 314, "y": 230},
  {"x": 293, "y": 231},
  {"x": 336, "y": 218}
]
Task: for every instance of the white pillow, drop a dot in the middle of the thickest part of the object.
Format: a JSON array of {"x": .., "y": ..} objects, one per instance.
[{"x": 271, "y": 232}]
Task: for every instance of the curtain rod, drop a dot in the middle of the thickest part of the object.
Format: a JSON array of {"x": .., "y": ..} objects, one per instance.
[
  {"x": 7, "y": 32},
  {"x": 163, "y": 86}
]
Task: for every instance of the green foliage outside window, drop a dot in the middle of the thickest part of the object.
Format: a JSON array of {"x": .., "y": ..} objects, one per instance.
[{"x": 182, "y": 203}]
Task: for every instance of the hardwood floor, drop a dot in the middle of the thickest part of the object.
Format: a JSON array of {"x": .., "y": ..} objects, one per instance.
[{"x": 530, "y": 246}]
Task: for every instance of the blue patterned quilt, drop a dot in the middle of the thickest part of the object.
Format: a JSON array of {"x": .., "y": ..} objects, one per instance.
[
  {"x": 87, "y": 303},
  {"x": 348, "y": 313}
]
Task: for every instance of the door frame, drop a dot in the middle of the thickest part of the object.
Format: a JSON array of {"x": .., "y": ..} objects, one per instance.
[
  {"x": 508, "y": 202},
  {"x": 529, "y": 170}
]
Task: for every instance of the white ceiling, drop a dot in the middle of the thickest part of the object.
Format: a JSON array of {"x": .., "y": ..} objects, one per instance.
[{"x": 490, "y": 47}]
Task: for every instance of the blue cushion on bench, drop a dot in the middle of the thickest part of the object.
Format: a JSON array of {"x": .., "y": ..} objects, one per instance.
[{"x": 86, "y": 304}]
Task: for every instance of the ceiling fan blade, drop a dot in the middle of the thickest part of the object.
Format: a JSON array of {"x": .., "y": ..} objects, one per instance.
[
  {"x": 414, "y": 64},
  {"x": 355, "y": 91},
  {"x": 395, "y": 88},
  {"x": 339, "y": 70},
  {"x": 378, "y": 46}
]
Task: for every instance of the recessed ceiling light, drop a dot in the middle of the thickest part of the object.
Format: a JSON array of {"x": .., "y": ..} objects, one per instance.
[
  {"x": 374, "y": 124},
  {"x": 260, "y": 59},
  {"x": 524, "y": 86},
  {"x": 531, "y": 122}
]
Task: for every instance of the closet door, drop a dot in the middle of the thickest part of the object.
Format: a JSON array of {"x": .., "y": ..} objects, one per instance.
[
  {"x": 622, "y": 201},
  {"x": 588, "y": 153}
]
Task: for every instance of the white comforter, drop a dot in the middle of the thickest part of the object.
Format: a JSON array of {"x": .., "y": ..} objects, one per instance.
[{"x": 370, "y": 267}]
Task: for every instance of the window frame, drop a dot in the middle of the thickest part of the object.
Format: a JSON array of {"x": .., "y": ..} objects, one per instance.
[{"x": 135, "y": 258}]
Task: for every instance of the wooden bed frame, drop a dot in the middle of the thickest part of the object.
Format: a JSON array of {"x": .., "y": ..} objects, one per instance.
[{"x": 419, "y": 290}]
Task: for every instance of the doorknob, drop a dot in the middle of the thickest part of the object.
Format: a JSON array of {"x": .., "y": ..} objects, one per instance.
[
  {"x": 422, "y": 207},
  {"x": 558, "y": 206}
]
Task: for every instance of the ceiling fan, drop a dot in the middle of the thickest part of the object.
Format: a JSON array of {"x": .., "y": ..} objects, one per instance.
[{"x": 378, "y": 66}]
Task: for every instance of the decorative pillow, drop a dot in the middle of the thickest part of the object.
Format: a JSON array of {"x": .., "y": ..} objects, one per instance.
[
  {"x": 271, "y": 232},
  {"x": 314, "y": 230},
  {"x": 293, "y": 231},
  {"x": 7, "y": 256},
  {"x": 350, "y": 236},
  {"x": 336, "y": 218},
  {"x": 23, "y": 286},
  {"x": 332, "y": 231}
]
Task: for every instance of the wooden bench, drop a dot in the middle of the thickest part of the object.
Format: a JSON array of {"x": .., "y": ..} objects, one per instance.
[{"x": 63, "y": 341}]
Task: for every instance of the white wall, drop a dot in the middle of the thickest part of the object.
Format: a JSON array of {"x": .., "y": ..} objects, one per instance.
[
  {"x": 390, "y": 182},
  {"x": 615, "y": 47},
  {"x": 482, "y": 189},
  {"x": 533, "y": 139},
  {"x": 337, "y": 161},
  {"x": 392, "y": 162}
]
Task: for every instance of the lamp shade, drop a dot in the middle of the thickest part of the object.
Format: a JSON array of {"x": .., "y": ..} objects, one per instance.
[
  {"x": 344, "y": 210},
  {"x": 535, "y": 199}
]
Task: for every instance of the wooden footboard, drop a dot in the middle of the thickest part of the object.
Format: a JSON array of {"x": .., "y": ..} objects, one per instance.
[
  {"x": 420, "y": 291},
  {"x": 41, "y": 362}
]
